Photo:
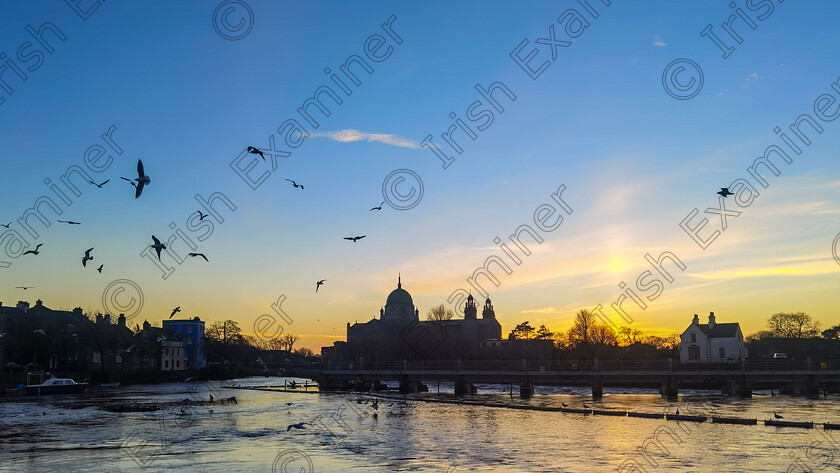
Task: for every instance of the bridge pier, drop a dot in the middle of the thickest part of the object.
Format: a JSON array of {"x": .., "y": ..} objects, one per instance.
[
  {"x": 526, "y": 389},
  {"x": 408, "y": 386},
  {"x": 669, "y": 390},
  {"x": 462, "y": 386},
  {"x": 597, "y": 388}
]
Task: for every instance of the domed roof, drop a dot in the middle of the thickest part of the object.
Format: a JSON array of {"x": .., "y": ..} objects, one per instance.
[{"x": 399, "y": 295}]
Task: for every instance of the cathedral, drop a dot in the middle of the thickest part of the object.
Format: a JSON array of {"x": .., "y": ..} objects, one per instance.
[{"x": 399, "y": 333}]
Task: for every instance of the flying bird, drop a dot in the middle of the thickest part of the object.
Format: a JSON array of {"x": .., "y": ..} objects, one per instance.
[
  {"x": 24, "y": 287},
  {"x": 100, "y": 268},
  {"x": 69, "y": 222},
  {"x": 724, "y": 191},
  {"x": 253, "y": 150},
  {"x": 355, "y": 238},
  {"x": 295, "y": 183},
  {"x": 201, "y": 216},
  {"x": 199, "y": 254},
  {"x": 586, "y": 406},
  {"x": 564, "y": 404},
  {"x": 377, "y": 208},
  {"x": 40, "y": 330},
  {"x": 5, "y": 224},
  {"x": 296, "y": 426},
  {"x": 777, "y": 416},
  {"x": 87, "y": 257},
  {"x": 141, "y": 180},
  {"x": 175, "y": 311},
  {"x": 318, "y": 284},
  {"x": 157, "y": 246},
  {"x": 33, "y": 252},
  {"x": 100, "y": 185}
]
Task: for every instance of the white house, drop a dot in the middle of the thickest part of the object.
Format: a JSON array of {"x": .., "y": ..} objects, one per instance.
[
  {"x": 172, "y": 357},
  {"x": 712, "y": 342}
]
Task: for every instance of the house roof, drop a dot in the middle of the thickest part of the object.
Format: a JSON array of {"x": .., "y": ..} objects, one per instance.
[{"x": 720, "y": 330}]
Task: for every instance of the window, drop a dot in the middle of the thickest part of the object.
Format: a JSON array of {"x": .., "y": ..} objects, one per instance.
[
  {"x": 166, "y": 364},
  {"x": 189, "y": 329},
  {"x": 694, "y": 353},
  {"x": 177, "y": 364},
  {"x": 97, "y": 358},
  {"x": 118, "y": 359},
  {"x": 722, "y": 352},
  {"x": 693, "y": 337},
  {"x": 189, "y": 341}
]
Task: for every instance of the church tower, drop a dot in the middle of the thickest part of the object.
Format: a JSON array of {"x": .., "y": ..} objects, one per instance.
[
  {"x": 488, "y": 312},
  {"x": 470, "y": 310}
]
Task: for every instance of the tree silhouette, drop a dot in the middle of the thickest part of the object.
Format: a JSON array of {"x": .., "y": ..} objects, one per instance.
[{"x": 440, "y": 313}]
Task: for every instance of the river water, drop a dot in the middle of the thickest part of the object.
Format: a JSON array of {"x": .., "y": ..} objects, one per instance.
[{"x": 81, "y": 433}]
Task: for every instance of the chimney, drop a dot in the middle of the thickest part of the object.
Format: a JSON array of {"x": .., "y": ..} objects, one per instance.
[
  {"x": 98, "y": 319},
  {"x": 711, "y": 319},
  {"x": 121, "y": 320},
  {"x": 38, "y": 303},
  {"x": 108, "y": 319},
  {"x": 23, "y": 305},
  {"x": 696, "y": 320},
  {"x": 77, "y": 311}
]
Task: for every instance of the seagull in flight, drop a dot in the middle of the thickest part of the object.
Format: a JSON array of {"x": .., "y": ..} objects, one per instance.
[
  {"x": 33, "y": 252},
  {"x": 318, "y": 284},
  {"x": 40, "y": 330},
  {"x": 87, "y": 257},
  {"x": 724, "y": 191},
  {"x": 157, "y": 246},
  {"x": 296, "y": 426},
  {"x": 100, "y": 268},
  {"x": 100, "y": 185},
  {"x": 253, "y": 150},
  {"x": 5, "y": 224},
  {"x": 24, "y": 287},
  {"x": 777, "y": 416},
  {"x": 199, "y": 254},
  {"x": 295, "y": 184},
  {"x": 201, "y": 216},
  {"x": 69, "y": 222},
  {"x": 141, "y": 180},
  {"x": 175, "y": 311},
  {"x": 355, "y": 238},
  {"x": 377, "y": 208}
]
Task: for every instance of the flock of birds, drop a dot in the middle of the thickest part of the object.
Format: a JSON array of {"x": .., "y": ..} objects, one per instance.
[{"x": 139, "y": 183}]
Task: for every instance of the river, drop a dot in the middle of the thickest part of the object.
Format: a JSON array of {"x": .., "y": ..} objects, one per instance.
[{"x": 82, "y": 434}]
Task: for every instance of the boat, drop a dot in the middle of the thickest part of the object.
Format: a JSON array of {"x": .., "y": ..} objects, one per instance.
[{"x": 56, "y": 386}]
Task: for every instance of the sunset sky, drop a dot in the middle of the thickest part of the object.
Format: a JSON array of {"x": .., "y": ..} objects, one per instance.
[{"x": 635, "y": 161}]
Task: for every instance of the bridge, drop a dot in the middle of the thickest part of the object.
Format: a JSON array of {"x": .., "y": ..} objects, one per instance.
[{"x": 737, "y": 378}]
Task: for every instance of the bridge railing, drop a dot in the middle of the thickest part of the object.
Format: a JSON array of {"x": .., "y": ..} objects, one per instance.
[{"x": 593, "y": 366}]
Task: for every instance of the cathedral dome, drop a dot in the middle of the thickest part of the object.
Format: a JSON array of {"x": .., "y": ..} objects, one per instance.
[{"x": 399, "y": 296}]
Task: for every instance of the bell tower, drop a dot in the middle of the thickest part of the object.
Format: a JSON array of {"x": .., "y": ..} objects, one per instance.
[
  {"x": 488, "y": 312},
  {"x": 469, "y": 309}
]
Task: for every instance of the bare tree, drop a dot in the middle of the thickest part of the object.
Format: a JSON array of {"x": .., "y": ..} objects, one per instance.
[
  {"x": 581, "y": 331},
  {"x": 793, "y": 325},
  {"x": 630, "y": 335},
  {"x": 440, "y": 313},
  {"x": 287, "y": 342}
]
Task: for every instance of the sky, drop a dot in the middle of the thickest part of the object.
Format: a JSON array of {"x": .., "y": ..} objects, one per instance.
[{"x": 190, "y": 86}]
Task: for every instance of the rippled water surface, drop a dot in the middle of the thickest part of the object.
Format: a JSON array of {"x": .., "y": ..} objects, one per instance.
[{"x": 79, "y": 433}]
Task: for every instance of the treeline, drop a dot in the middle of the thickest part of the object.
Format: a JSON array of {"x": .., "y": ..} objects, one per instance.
[
  {"x": 797, "y": 335},
  {"x": 601, "y": 339},
  {"x": 224, "y": 341}
]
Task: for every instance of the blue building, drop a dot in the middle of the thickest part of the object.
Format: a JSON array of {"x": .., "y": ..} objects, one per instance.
[{"x": 192, "y": 332}]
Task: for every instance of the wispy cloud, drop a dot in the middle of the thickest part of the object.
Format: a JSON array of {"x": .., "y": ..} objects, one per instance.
[
  {"x": 348, "y": 136},
  {"x": 748, "y": 82},
  {"x": 658, "y": 41}
]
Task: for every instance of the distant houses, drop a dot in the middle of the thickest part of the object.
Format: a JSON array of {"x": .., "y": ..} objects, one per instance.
[
  {"x": 712, "y": 342},
  {"x": 38, "y": 337}
]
